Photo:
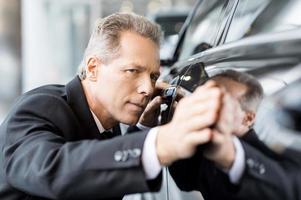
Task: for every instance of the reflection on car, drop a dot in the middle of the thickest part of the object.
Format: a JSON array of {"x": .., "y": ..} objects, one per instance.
[{"x": 260, "y": 37}]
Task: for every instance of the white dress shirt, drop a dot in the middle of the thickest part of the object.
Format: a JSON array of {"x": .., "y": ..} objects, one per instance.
[
  {"x": 151, "y": 164},
  {"x": 238, "y": 167}
]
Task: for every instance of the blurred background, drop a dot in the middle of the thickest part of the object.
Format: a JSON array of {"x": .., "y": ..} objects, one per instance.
[{"x": 43, "y": 41}]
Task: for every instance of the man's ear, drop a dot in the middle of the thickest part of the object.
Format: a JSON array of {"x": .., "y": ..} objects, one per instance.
[
  {"x": 249, "y": 118},
  {"x": 91, "y": 68}
]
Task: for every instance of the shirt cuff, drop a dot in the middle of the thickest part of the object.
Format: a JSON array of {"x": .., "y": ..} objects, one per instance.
[
  {"x": 150, "y": 161},
  {"x": 238, "y": 167},
  {"x": 142, "y": 127}
]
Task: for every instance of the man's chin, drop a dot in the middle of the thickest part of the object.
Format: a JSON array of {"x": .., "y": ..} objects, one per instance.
[{"x": 130, "y": 121}]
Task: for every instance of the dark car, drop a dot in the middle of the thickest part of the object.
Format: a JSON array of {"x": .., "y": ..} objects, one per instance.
[
  {"x": 213, "y": 23},
  {"x": 261, "y": 37}
]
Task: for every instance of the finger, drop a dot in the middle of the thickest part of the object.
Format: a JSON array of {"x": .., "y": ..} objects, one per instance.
[
  {"x": 160, "y": 87},
  {"x": 199, "y": 137},
  {"x": 201, "y": 121},
  {"x": 217, "y": 137},
  {"x": 154, "y": 104},
  {"x": 202, "y": 107},
  {"x": 180, "y": 94},
  {"x": 204, "y": 94},
  {"x": 227, "y": 115},
  {"x": 174, "y": 105},
  {"x": 190, "y": 108}
]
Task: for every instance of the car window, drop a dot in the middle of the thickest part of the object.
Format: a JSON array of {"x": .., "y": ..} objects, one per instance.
[
  {"x": 246, "y": 13},
  {"x": 264, "y": 16},
  {"x": 281, "y": 16},
  {"x": 204, "y": 27}
]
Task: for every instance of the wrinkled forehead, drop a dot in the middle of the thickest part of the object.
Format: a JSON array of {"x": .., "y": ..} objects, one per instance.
[{"x": 140, "y": 50}]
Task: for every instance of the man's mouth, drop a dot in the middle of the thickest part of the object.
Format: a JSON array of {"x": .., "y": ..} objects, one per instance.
[{"x": 136, "y": 106}]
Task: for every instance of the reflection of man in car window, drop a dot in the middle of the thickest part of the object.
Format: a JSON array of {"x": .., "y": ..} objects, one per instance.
[
  {"x": 252, "y": 159},
  {"x": 249, "y": 93}
]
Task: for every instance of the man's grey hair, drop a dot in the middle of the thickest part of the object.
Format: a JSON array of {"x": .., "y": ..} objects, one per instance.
[
  {"x": 254, "y": 93},
  {"x": 104, "y": 42}
]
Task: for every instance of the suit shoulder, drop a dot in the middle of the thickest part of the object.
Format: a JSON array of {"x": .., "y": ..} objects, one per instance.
[
  {"x": 47, "y": 98},
  {"x": 47, "y": 90}
]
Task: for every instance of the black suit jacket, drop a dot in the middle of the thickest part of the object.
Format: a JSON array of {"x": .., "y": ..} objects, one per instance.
[
  {"x": 51, "y": 149},
  {"x": 266, "y": 176}
]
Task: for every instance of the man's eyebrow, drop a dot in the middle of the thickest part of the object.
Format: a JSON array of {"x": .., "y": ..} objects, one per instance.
[
  {"x": 141, "y": 67},
  {"x": 134, "y": 65}
]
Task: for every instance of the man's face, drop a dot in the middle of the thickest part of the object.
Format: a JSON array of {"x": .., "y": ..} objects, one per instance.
[
  {"x": 237, "y": 91},
  {"x": 125, "y": 84}
]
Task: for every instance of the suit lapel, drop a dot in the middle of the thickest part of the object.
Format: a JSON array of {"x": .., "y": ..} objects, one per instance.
[
  {"x": 251, "y": 138},
  {"x": 78, "y": 102}
]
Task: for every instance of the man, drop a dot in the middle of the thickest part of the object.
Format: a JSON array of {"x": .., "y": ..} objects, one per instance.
[
  {"x": 55, "y": 142},
  {"x": 263, "y": 167},
  {"x": 252, "y": 160},
  {"x": 247, "y": 91}
]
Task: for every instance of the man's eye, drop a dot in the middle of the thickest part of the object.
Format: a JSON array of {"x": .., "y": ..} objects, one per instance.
[{"x": 131, "y": 71}]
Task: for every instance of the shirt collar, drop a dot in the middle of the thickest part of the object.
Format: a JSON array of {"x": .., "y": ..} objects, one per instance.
[{"x": 98, "y": 124}]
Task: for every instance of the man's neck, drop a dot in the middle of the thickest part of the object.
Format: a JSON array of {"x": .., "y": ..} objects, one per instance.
[{"x": 106, "y": 120}]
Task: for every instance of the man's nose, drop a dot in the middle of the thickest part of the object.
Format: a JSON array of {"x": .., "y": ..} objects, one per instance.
[{"x": 146, "y": 87}]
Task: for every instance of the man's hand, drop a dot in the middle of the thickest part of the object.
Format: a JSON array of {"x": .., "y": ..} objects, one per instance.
[
  {"x": 151, "y": 113},
  {"x": 221, "y": 149},
  {"x": 189, "y": 126}
]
